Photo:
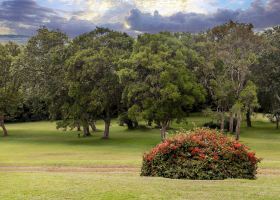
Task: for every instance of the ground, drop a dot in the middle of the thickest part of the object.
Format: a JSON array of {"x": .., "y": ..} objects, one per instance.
[{"x": 39, "y": 162}]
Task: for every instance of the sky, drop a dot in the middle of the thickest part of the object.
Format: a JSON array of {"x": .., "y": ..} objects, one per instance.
[{"x": 75, "y": 17}]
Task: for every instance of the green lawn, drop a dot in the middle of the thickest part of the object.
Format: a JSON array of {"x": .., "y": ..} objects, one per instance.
[{"x": 41, "y": 145}]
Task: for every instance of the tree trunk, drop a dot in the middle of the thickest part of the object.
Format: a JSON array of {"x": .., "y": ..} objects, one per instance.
[
  {"x": 277, "y": 123},
  {"x": 238, "y": 125},
  {"x": 163, "y": 130},
  {"x": 78, "y": 126},
  {"x": 231, "y": 121},
  {"x": 158, "y": 124},
  {"x": 248, "y": 118},
  {"x": 93, "y": 127},
  {"x": 86, "y": 129},
  {"x": 222, "y": 122},
  {"x": 107, "y": 129},
  {"x": 2, "y": 124}
]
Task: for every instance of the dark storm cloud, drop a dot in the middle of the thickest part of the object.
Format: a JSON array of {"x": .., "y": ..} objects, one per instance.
[
  {"x": 260, "y": 14},
  {"x": 25, "y": 16},
  {"x": 25, "y": 11}
]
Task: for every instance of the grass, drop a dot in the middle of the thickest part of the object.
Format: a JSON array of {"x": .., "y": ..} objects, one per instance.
[{"x": 40, "y": 144}]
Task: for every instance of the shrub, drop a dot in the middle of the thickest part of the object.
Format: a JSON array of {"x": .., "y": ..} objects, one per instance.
[{"x": 200, "y": 154}]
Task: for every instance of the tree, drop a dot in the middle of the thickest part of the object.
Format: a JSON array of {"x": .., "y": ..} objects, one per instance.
[
  {"x": 267, "y": 73},
  {"x": 10, "y": 92},
  {"x": 44, "y": 65},
  {"x": 91, "y": 74},
  {"x": 276, "y": 115},
  {"x": 40, "y": 54},
  {"x": 237, "y": 47},
  {"x": 249, "y": 99},
  {"x": 159, "y": 85},
  {"x": 221, "y": 90}
]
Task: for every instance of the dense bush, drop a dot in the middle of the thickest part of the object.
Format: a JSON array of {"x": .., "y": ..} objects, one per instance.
[{"x": 200, "y": 154}]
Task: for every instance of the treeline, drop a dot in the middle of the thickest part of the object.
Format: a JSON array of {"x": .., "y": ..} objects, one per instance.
[{"x": 229, "y": 71}]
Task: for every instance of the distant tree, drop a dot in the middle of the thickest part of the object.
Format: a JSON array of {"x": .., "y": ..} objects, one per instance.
[
  {"x": 222, "y": 92},
  {"x": 10, "y": 83},
  {"x": 267, "y": 74},
  {"x": 43, "y": 60},
  {"x": 249, "y": 99},
  {"x": 276, "y": 115},
  {"x": 159, "y": 85},
  {"x": 237, "y": 48}
]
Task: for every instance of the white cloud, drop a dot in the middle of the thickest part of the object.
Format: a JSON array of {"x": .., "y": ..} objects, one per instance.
[
  {"x": 4, "y": 30},
  {"x": 169, "y": 7}
]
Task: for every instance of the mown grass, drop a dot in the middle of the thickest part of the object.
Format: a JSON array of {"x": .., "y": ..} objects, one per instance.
[
  {"x": 91, "y": 186},
  {"x": 40, "y": 144}
]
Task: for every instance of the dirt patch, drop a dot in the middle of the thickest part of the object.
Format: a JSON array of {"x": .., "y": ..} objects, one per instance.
[
  {"x": 102, "y": 169},
  {"x": 107, "y": 169},
  {"x": 268, "y": 171}
]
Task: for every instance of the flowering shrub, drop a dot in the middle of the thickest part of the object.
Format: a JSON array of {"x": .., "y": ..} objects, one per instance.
[{"x": 201, "y": 154}]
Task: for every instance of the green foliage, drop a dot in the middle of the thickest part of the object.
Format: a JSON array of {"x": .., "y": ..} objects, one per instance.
[
  {"x": 267, "y": 72},
  {"x": 124, "y": 119},
  {"x": 159, "y": 84},
  {"x": 91, "y": 75},
  {"x": 43, "y": 63},
  {"x": 202, "y": 154},
  {"x": 10, "y": 81},
  {"x": 248, "y": 96}
]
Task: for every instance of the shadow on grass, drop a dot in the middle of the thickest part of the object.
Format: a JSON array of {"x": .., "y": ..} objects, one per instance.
[{"x": 118, "y": 138}]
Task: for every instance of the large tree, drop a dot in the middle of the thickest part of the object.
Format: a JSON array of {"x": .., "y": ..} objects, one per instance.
[
  {"x": 237, "y": 48},
  {"x": 91, "y": 74},
  {"x": 267, "y": 74},
  {"x": 10, "y": 82},
  {"x": 43, "y": 60},
  {"x": 159, "y": 83}
]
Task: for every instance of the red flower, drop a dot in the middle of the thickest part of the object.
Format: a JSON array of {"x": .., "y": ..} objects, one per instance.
[
  {"x": 202, "y": 156},
  {"x": 252, "y": 157},
  {"x": 195, "y": 151},
  {"x": 216, "y": 157},
  {"x": 237, "y": 145}
]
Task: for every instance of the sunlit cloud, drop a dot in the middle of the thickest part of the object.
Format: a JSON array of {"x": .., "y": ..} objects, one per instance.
[
  {"x": 133, "y": 16},
  {"x": 169, "y": 7},
  {"x": 4, "y": 30}
]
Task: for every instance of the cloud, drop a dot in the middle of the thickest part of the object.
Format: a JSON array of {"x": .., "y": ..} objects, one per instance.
[
  {"x": 4, "y": 30},
  {"x": 24, "y": 16},
  {"x": 260, "y": 14},
  {"x": 25, "y": 11},
  {"x": 132, "y": 16}
]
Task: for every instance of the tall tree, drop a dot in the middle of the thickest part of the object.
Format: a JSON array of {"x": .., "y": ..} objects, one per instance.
[
  {"x": 91, "y": 75},
  {"x": 159, "y": 85},
  {"x": 9, "y": 82},
  {"x": 267, "y": 74},
  {"x": 43, "y": 59},
  {"x": 238, "y": 46}
]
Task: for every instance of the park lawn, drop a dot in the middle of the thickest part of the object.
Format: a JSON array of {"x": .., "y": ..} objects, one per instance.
[
  {"x": 40, "y": 144},
  {"x": 95, "y": 186}
]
